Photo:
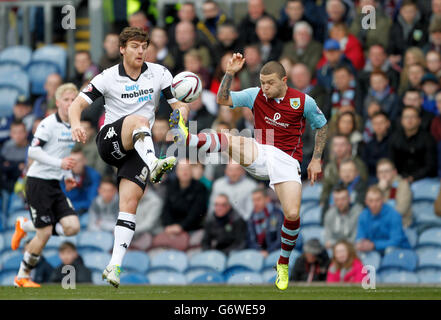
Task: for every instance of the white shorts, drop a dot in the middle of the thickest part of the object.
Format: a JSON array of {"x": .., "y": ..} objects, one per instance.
[{"x": 274, "y": 165}]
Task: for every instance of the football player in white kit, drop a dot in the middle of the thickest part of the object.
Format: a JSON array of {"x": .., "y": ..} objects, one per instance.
[
  {"x": 51, "y": 212},
  {"x": 131, "y": 91}
]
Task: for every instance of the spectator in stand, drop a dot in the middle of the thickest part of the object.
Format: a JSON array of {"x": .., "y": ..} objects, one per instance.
[
  {"x": 313, "y": 264},
  {"x": 228, "y": 39},
  {"x": 435, "y": 130},
  {"x": 199, "y": 113},
  {"x": 264, "y": 224},
  {"x": 414, "y": 98},
  {"x": 379, "y": 226},
  {"x": 88, "y": 181},
  {"x": 69, "y": 257},
  {"x": 269, "y": 45},
  {"x": 293, "y": 13},
  {"x": 140, "y": 20},
  {"x": 350, "y": 179},
  {"x": 5, "y": 129},
  {"x": 396, "y": 190},
  {"x": 187, "y": 12},
  {"x": 213, "y": 18},
  {"x": 219, "y": 73},
  {"x": 111, "y": 55},
  {"x": 378, "y": 147},
  {"x": 160, "y": 39},
  {"x": 224, "y": 230},
  {"x": 22, "y": 111},
  {"x": 434, "y": 42},
  {"x": 371, "y": 36},
  {"x": 381, "y": 92},
  {"x": 415, "y": 76},
  {"x": 193, "y": 63},
  {"x": 46, "y": 102},
  {"x": 340, "y": 221},
  {"x": 238, "y": 187},
  {"x": 343, "y": 88},
  {"x": 85, "y": 70},
  {"x": 413, "y": 149},
  {"x": 345, "y": 266},
  {"x": 337, "y": 12},
  {"x": 250, "y": 75},
  {"x": 433, "y": 63},
  {"x": 413, "y": 55},
  {"x": 247, "y": 26},
  {"x": 104, "y": 210},
  {"x": 345, "y": 124},
  {"x": 303, "y": 48},
  {"x": 429, "y": 86}
]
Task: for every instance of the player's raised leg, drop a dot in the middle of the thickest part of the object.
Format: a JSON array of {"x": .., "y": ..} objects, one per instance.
[
  {"x": 289, "y": 194},
  {"x": 136, "y": 134},
  {"x": 129, "y": 195},
  {"x": 22, "y": 226}
]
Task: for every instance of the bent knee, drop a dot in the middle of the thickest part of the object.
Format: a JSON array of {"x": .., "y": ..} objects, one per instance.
[
  {"x": 136, "y": 120},
  {"x": 71, "y": 229},
  {"x": 292, "y": 215}
]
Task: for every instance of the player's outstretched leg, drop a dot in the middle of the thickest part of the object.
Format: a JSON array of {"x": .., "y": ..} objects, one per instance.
[{"x": 22, "y": 227}]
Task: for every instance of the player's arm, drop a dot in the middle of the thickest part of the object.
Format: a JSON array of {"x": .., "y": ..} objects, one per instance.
[
  {"x": 75, "y": 110},
  {"x": 234, "y": 65},
  {"x": 36, "y": 152}
]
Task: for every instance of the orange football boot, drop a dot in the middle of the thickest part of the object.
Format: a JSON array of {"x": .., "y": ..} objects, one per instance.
[
  {"x": 18, "y": 234},
  {"x": 25, "y": 283}
]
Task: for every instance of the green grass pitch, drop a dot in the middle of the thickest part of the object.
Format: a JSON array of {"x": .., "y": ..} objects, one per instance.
[{"x": 223, "y": 292}]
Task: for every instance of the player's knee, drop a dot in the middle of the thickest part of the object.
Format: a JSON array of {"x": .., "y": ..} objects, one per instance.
[
  {"x": 292, "y": 215},
  {"x": 138, "y": 121},
  {"x": 72, "y": 229},
  {"x": 129, "y": 204}
]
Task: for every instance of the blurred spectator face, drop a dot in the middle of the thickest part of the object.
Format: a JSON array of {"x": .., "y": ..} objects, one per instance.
[
  {"x": 378, "y": 82},
  {"x": 259, "y": 201},
  {"x": 187, "y": 12},
  {"x": 429, "y": 88},
  {"x": 53, "y": 81},
  {"x": 227, "y": 35},
  {"x": 252, "y": 57},
  {"x": 197, "y": 170},
  {"x": 345, "y": 124},
  {"x": 159, "y": 37},
  {"x": 377, "y": 56},
  {"x": 341, "y": 148},
  {"x": 192, "y": 63},
  {"x": 185, "y": 34},
  {"x": 107, "y": 191},
  {"x": 386, "y": 172},
  {"x": 139, "y": 20},
  {"x": 372, "y": 108},
  {"x": 287, "y": 64},
  {"x": 183, "y": 171},
  {"x": 265, "y": 29},
  {"x": 18, "y": 134},
  {"x": 416, "y": 73},
  {"x": 68, "y": 255},
  {"x": 151, "y": 53},
  {"x": 310, "y": 258},
  {"x": 221, "y": 206},
  {"x": 332, "y": 56},
  {"x": 408, "y": 12},
  {"x": 433, "y": 62},
  {"x": 337, "y": 33},
  {"x": 234, "y": 172},
  {"x": 363, "y": 3},
  {"x": 64, "y": 103},
  {"x": 413, "y": 98},
  {"x": 159, "y": 130},
  {"x": 80, "y": 162},
  {"x": 224, "y": 61},
  {"x": 111, "y": 45},
  {"x": 196, "y": 105},
  {"x": 348, "y": 172},
  {"x": 380, "y": 125},
  {"x": 302, "y": 37},
  {"x": 341, "y": 200},
  {"x": 210, "y": 10},
  {"x": 410, "y": 120},
  {"x": 255, "y": 9},
  {"x": 300, "y": 76},
  {"x": 341, "y": 253},
  {"x": 21, "y": 110},
  {"x": 438, "y": 101},
  {"x": 342, "y": 79},
  {"x": 335, "y": 10},
  {"x": 82, "y": 62},
  {"x": 294, "y": 10},
  {"x": 435, "y": 38},
  {"x": 374, "y": 201},
  {"x": 436, "y": 7}
]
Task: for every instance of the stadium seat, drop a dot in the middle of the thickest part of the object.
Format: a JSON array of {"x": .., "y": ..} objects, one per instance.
[
  {"x": 100, "y": 240},
  {"x": 230, "y": 271},
  {"x": 133, "y": 278},
  {"x": 10, "y": 223},
  {"x": 269, "y": 275},
  {"x": 424, "y": 214},
  {"x": 311, "y": 193},
  {"x": 246, "y": 278},
  {"x": 292, "y": 259},
  {"x": 412, "y": 236},
  {"x": 429, "y": 275},
  {"x": 84, "y": 221},
  {"x": 372, "y": 258},
  {"x": 7, "y": 102},
  {"x": 209, "y": 277},
  {"x": 38, "y": 72},
  {"x": 54, "y": 242},
  {"x": 7, "y": 237},
  {"x": 97, "y": 278},
  {"x": 166, "y": 278},
  {"x": 430, "y": 236},
  {"x": 248, "y": 258},
  {"x": 400, "y": 277},
  {"x": 313, "y": 231},
  {"x": 96, "y": 261},
  {"x": 213, "y": 259},
  {"x": 7, "y": 278},
  {"x": 54, "y": 54},
  {"x": 53, "y": 259},
  {"x": 10, "y": 68},
  {"x": 311, "y": 216},
  {"x": 430, "y": 257},
  {"x": 17, "y": 55},
  {"x": 16, "y": 203},
  {"x": 136, "y": 261},
  {"x": 10, "y": 260},
  {"x": 194, "y": 272},
  {"x": 425, "y": 189},
  {"x": 171, "y": 260},
  {"x": 17, "y": 80},
  {"x": 400, "y": 258}
]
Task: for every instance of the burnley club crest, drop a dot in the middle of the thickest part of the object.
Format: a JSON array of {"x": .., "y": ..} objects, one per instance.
[{"x": 295, "y": 103}]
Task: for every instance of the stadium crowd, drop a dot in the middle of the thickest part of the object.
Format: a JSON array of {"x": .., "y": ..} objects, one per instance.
[{"x": 379, "y": 89}]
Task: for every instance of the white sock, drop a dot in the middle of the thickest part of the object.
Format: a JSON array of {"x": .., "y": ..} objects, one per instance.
[
  {"x": 144, "y": 146},
  {"x": 30, "y": 260},
  {"x": 28, "y": 226},
  {"x": 124, "y": 230},
  {"x": 59, "y": 229}
]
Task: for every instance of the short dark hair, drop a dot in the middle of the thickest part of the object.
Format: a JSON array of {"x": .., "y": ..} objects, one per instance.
[
  {"x": 17, "y": 123},
  {"x": 339, "y": 187},
  {"x": 379, "y": 73},
  {"x": 67, "y": 245},
  {"x": 411, "y": 108},
  {"x": 83, "y": 52},
  {"x": 409, "y": 3},
  {"x": 379, "y": 113},
  {"x": 263, "y": 191},
  {"x": 133, "y": 34},
  {"x": 273, "y": 67},
  {"x": 108, "y": 179}
]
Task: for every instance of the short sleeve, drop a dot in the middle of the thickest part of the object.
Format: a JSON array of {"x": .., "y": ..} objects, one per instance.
[
  {"x": 244, "y": 98},
  {"x": 166, "y": 82},
  {"x": 95, "y": 89},
  {"x": 42, "y": 135},
  {"x": 313, "y": 114}
]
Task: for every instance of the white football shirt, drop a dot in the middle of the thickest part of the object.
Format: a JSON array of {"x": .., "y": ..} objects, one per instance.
[{"x": 126, "y": 96}]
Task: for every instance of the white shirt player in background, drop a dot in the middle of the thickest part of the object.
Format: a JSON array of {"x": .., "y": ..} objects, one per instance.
[
  {"x": 51, "y": 162},
  {"x": 131, "y": 92}
]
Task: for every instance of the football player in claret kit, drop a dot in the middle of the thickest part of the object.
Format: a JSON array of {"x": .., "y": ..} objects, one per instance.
[
  {"x": 52, "y": 213},
  {"x": 131, "y": 91},
  {"x": 276, "y": 152}
]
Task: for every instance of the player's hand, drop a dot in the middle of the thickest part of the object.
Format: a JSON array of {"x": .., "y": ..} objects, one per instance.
[
  {"x": 184, "y": 112},
  {"x": 79, "y": 134},
  {"x": 70, "y": 183},
  {"x": 67, "y": 163},
  {"x": 314, "y": 169},
  {"x": 235, "y": 63}
]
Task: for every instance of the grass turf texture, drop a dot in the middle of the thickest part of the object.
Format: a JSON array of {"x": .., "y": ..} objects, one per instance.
[{"x": 222, "y": 292}]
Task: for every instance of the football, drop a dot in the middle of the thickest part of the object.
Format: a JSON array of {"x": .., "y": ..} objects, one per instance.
[{"x": 186, "y": 86}]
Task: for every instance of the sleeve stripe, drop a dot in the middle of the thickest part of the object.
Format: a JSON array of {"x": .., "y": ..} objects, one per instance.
[
  {"x": 167, "y": 93},
  {"x": 91, "y": 92},
  {"x": 83, "y": 95}
]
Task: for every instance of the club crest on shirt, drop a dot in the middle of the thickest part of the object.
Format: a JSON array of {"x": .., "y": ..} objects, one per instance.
[
  {"x": 295, "y": 103},
  {"x": 89, "y": 88}
]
